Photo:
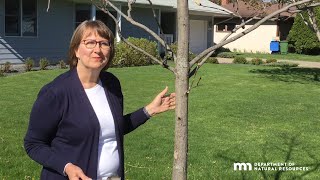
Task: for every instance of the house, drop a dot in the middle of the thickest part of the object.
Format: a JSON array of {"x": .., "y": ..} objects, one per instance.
[
  {"x": 30, "y": 31},
  {"x": 259, "y": 39}
]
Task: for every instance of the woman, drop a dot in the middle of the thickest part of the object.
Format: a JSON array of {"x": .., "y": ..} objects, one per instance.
[{"x": 76, "y": 125}]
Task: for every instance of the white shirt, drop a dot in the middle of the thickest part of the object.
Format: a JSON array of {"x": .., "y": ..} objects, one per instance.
[{"x": 108, "y": 156}]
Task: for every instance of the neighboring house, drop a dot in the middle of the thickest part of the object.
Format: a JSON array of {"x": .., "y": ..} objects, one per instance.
[
  {"x": 30, "y": 31},
  {"x": 259, "y": 39}
]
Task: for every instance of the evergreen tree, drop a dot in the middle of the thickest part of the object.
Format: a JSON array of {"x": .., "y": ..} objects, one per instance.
[{"x": 301, "y": 38}]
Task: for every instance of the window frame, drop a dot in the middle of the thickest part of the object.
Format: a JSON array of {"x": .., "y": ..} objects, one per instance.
[
  {"x": 87, "y": 7},
  {"x": 20, "y": 19},
  {"x": 76, "y": 6}
]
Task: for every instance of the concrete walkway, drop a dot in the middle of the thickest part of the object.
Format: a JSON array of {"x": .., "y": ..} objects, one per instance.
[{"x": 306, "y": 64}]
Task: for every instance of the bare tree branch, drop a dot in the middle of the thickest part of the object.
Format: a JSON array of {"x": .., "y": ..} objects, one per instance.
[
  {"x": 155, "y": 17},
  {"x": 305, "y": 21},
  {"x": 157, "y": 37},
  {"x": 237, "y": 28},
  {"x": 226, "y": 20},
  {"x": 284, "y": 9},
  {"x": 129, "y": 8},
  {"x": 48, "y": 7},
  {"x": 130, "y": 19},
  {"x": 313, "y": 22},
  {"x": 161, "y": 33},
  {"x": 129, "y": 43}
]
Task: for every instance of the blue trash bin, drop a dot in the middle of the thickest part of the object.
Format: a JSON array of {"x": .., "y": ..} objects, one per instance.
[{"x": 274, "y": 46}]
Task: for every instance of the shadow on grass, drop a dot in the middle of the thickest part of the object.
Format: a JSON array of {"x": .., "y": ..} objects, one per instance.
[
  {"x": 295, "y": 74},
  {"x": 288, "y": 150}
]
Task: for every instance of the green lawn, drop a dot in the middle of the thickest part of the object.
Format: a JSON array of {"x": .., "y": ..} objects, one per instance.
[
  {"x": 238, "y": 113},
  {"x": 289, "y": 56}
]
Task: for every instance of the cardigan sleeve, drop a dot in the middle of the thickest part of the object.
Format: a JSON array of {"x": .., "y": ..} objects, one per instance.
[
  {"x": 134, "y": 120},
  {"x": 44, "y": 119}
]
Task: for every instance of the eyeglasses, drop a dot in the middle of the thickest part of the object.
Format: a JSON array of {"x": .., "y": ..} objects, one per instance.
[{"x": 90, "y": 44}]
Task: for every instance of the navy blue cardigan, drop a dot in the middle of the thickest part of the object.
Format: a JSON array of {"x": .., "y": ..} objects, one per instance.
[{"x": 63, "y": 126}]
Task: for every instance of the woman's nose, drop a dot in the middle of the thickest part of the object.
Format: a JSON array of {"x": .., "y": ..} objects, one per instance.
[{"x": 97, "y": 48}]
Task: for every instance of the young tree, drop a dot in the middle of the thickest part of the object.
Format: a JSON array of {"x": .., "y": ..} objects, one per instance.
[{"x": 184, "y": 69}]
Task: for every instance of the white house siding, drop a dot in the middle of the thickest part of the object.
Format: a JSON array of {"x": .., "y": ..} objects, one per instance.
[{"x": 256, "y": 41}]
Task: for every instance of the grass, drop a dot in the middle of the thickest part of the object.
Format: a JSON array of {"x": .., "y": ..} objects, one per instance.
[
  {"x": 278, "y": 56},
  {"x": 238, "y": 113},
  {"x": 289, "y": 56}
]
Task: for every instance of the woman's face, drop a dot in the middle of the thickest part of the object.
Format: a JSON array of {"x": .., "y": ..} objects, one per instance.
[{"x": 93, "y": 52}]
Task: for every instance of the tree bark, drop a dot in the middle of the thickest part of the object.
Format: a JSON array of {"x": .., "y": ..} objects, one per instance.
[{"x": 179, "y": 171}]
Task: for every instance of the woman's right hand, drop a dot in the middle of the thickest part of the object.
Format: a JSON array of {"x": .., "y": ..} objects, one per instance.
[{"x": 75, "y": 173}]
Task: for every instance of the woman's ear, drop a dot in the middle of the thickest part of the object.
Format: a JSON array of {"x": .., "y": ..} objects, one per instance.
[{"x": 76, "y": 52}]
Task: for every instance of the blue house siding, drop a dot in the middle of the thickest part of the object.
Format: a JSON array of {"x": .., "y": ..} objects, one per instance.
[
  {"x": 54, "y": 32},
  {"x": 1, "y": 17},
  {"x": 142, "y": 15}
]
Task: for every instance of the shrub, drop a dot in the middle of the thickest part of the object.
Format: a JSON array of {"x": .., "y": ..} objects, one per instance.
[
  {"x": 212, "y": 60},
  {"x": 43, "y": 63},
  {"x": 301, "y": 38},
  {"x": 271, "y": 60},
  {"x": 240, "y": 60},
  {"x": 282, "y": 64},
  {"x": 28, "y": 64},
  {"x": 256, "y": 61},
  {"x": 226, "y": 55},
  {"x": 127, "y": 56},
  {"x": 222, "y": 50},
  {"x": 1, "y": 71},
  {"x": 174, "y": 48},
  {"x": 7, "y": 67},
  {"x": 62, "y": 65}
]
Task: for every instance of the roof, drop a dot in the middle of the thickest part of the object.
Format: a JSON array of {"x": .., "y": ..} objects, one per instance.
[
  {"x": 206, "y": 7},
  {"x": 245, "y": 10}
]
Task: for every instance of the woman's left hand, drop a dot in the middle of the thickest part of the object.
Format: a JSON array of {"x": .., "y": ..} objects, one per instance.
[{"x": 162, "y": 103}]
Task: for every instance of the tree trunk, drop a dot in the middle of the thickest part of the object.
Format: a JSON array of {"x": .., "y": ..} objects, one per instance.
[{"x": 181, "y": 88}]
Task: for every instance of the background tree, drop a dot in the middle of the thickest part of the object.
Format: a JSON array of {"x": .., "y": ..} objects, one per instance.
[{"x": 302, "y": 38}]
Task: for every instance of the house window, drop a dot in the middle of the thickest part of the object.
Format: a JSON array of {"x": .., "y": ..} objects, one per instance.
[
  {"x": 83, "y": 12},
  {"x": 21, "y": 17},
  {"x": 107, "y": 19},
  {"x": 225, "y": 27}
]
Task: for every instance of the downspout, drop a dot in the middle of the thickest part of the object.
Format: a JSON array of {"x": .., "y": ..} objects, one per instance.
[
  {"x": 212, "y": 27},
  {"x": 93, "y": 12},
  {"x": 159, "y": 31},
  {"x": 118, "y": 39}
]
